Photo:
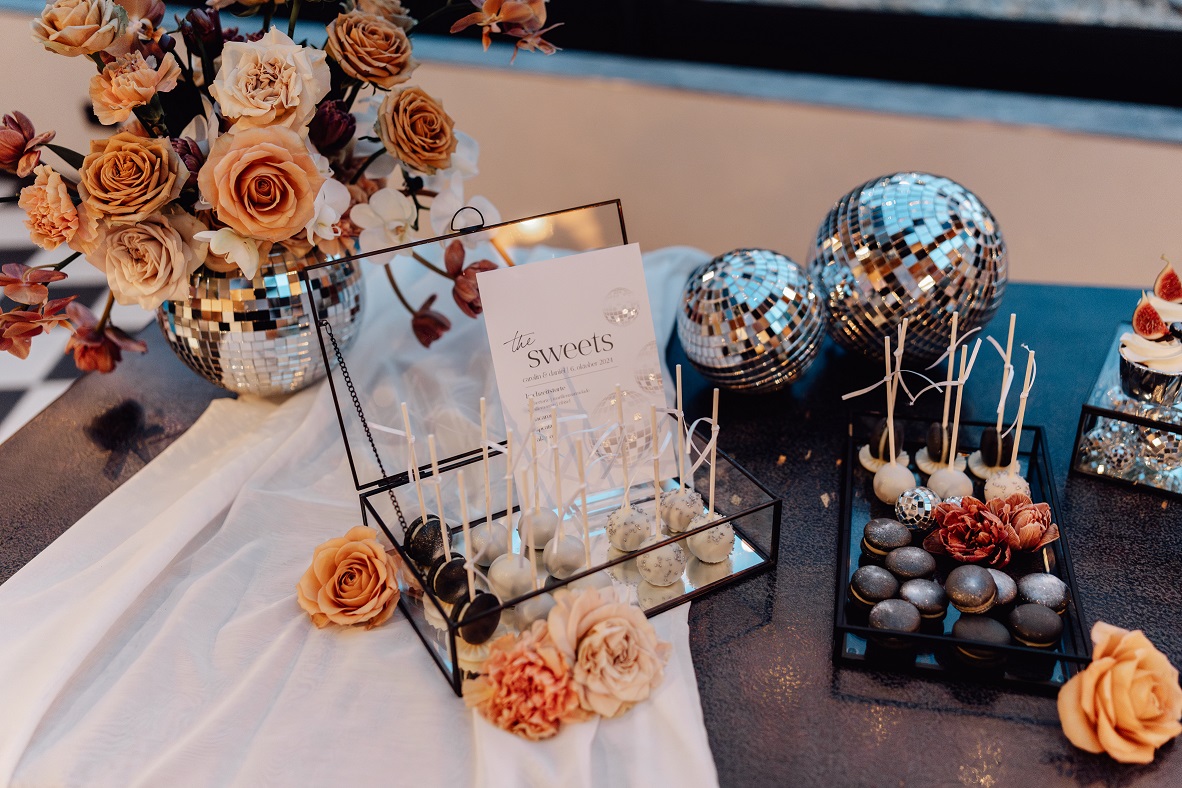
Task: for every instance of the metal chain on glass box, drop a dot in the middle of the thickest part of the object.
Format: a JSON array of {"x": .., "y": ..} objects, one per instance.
[{"x": 336, "y": 349}]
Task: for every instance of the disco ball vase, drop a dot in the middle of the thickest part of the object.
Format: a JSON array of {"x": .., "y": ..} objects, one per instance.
[
  {"x": 256, "y": 336},
  {"x": 909, "y": 245},
  {"x": 750, "y": 320}
]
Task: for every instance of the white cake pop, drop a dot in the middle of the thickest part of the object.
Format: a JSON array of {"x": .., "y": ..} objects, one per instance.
[
  {"x": 662, "y": 566},
  {"x": 624, "y": 572},
  {"x": 594, "y": 580},
  {"x": 510, "y": 575},
  {"x": 488, "y": 542},
  {"x": 543, "y": 521},
  {"x": 680, "y": 506},
  {"x": 649, "y": 595},
  {"x": 703, "y": 574},
  {"x": 627, "y": 529},
  {"x": 713, "y": 545},
  {"x": 564, "y": 554},
  {"x": 892, "y": 479},
  {"x": 532, "y": 609},
  {"x": 948, "y": 481},
  {"x": 1010, "y": 482}
]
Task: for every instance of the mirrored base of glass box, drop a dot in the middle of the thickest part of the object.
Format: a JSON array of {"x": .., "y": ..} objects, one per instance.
[{"x": 1127, "y": 440}]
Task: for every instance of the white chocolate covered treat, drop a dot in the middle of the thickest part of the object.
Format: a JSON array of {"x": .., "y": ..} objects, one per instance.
[
  {"x": 545, "y": 525},
  {"x": 531, "y": 610},
  {"x": 950, "y": 483},
  {"x": 702, "y": 574},
  {"x": 595, "y": 580},
  {"x": 488, "y": 543},
  {"x": 891, "y": 481},
  {"x": 564, "y": 556},
  {"x": 649, "y": 595},
  {"x": 510, "y": 576},
  {"x": 663, "y": 566},
  {"x": 713, "y": 545},
  {"x": 680, "y": 506},
  {"x": 627, "y": 528},
  {"x": 624, "y": 572},
  {"x": 1005, "y": 484}
]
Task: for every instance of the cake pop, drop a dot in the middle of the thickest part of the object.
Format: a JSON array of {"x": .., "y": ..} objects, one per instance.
[
  {"x": 680, "y": 506},
  {"x": 662, "y": 566},
  {"x": 627, "y": 527},
  {"x": 948, "y": 481},
  {"x": 478, "y": 616},
  {"x": 537, "y": 607},
  {"x": 488, "y": 538},
  {"x": 649, "y": 596},
  {"x": 996, "y": 446},
  {"x": 938, "y": 441},
  {"x": 509, "y": 575},
  {"x": 543, "y": 521},
  {"x": 1010, "y": 481},
  {"x": 599, "y": 579},
  {"x": 564, "y": 554},
  {"x": 714, "y": 545},
  {"x": 423, "y": 541},
  {"x": 447, "y": 576},
  {"x": 893, "y": 479}
]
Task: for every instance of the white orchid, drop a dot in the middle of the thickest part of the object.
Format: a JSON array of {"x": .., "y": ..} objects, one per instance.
[
  {"x": 447, "y": 205},
  {"x": 237, "y": 249},
  {"x": 331, "y": 203},
  {"x": 386, "y": 220}
]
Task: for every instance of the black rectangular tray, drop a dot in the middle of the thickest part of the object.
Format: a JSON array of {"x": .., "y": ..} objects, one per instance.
[{"x": 933, "y": 653}]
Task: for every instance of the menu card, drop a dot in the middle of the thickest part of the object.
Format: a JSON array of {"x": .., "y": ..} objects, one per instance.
[{"x": 567, "y": 332}]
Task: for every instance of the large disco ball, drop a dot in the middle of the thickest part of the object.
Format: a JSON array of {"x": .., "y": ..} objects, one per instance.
[
  {"x": 909, "y": 245},
  {"x": 750, "y": 320}
]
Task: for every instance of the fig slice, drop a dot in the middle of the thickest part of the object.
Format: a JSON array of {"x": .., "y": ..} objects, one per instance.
[
  {"x": 1168, "y": 286},
  {"x": 1147, "y": 321}
]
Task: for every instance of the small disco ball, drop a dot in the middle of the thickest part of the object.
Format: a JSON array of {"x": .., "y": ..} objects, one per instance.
[
  {"x": 908, "y": 245},
  {"x": 750, "y": 320},
  {"x": 916, "y": 509},
  {"x": 1161, "y": 450},
  {"x": 648, "y": 369},
  {"x": 1094, "y": 442},
  {"x": 1118, "y": 459},
  {"x": 638, "y": 430},
  {"x": 621, "y": 306}
]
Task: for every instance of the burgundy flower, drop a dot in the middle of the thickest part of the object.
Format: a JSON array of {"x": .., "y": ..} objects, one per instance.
[
  {"x": 202, "y": 31},
  {"x": 18, "y": 327},
  {"x": 464, "y": 289},
  {"x": 428, "y": 324},
  {"x": 191, "y": 155},
  {"x": 94, "y": 350},
  {"x": 20, "y": 145},
  {"x": 1030, "y": 521},
  {"x": 972, "y": 534},
  {"x": 27, "y": 285},
  {"x": 331, "y": 127}
]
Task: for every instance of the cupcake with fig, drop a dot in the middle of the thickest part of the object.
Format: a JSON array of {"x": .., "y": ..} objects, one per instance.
[{"x": 1151, "y": 354}]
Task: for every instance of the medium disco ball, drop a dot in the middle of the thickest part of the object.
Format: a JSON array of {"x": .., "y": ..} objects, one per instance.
[
  {"x": 908, "y": 245},
  {"x": 256, "y": 336},
  {"x": 750, "y": 320}
]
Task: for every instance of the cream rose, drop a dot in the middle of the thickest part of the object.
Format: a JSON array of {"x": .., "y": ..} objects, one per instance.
[
  {"x": 272, "y": 81},
  {"x": 616, "y": 656},
  {"x": 52, "y": 218},
  {"x": 1127, "y": 702},
  {"x": 129, "y": 82},
  {"x": 351, "y": 581},
  {"x": 149, "y": 263},
  {"x": 262, "y": 183},
  {"x": 415, "y": 130},
  {"x": 127, "y": 178},
  {"x": 79, "y": 27},
  {"x": 370, "y": 48}
]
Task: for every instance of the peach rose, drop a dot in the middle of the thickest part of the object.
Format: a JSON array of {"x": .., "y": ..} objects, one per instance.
[
  {"x": 79, "y": 27},
  {"x": 416, "y": 131},
  {"x": 370, "y": 48},
  {"x": 52, "y": 218},
  {"x": 262, "y": 183},
  {"x": 351, "y": 581},
  {"x": 618, "y": 660},
  {"x": 149, "y": 263},
  {"x": 128, "y": 82},
  {"x": 1127, "y": 702},
  {"x": 526, "y": 686},
  {"x": 390, "y": 10},
  {"x": 126, "y": 178},
  {"x": 272, "y": 81}
]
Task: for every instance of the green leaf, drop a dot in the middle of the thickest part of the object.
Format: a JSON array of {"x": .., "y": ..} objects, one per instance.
[{"x": 73, "y": 158}]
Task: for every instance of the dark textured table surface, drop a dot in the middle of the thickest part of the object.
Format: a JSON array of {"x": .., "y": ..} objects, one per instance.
[{"x": 777, "y": 710}]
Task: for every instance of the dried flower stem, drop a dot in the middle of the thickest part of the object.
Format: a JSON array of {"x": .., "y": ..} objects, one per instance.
[
  {"x": 102, "y": 323},
  {"x": 61, "y": 265},
  {"x": 295, "y": 15},
  {"x": 429, "y": 265},
  {"x": 397, "y": 290},
  {"x": 268, "y": 13},
  {"x": 442, "y": 9},
  {"x": 365, "y": 164}
]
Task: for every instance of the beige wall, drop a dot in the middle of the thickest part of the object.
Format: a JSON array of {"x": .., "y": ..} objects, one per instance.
[{"x": 718, "y": 171}]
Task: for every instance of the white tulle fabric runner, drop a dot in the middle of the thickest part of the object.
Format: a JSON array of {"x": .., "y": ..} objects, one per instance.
[{"x": 158, "y": 641}]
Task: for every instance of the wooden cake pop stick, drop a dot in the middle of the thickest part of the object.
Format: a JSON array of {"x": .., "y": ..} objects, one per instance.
[
  {"x": 680, "y": 436},
  {"x": 1006, "y": 371},
  {"x": 533, "y": 555},
  {"x": 467, "y": 534},
  {"x": 890, "y": 394},
  {"x": 533, "y": 454},
  {"x": 509, "y": 492},
  {"x": 964, "y": 355},
  {"x": 414, "y": 464},
  {"x": 1022, "y": 409},
  {"x": 948, "y": 390},
  {"x": 439, "y": 495},
  {"x": 557, "y": 475},
  {"x": 713, "y": 450},
  {"x": 484, "y": 464},
  {"x": 656, "y": 474},
  {"x": 583, "y": 483},
  {"x": 623, "y": 449}
]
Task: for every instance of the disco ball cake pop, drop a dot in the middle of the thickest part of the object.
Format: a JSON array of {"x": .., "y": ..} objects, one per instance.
[{"x": 908, "y": 245}]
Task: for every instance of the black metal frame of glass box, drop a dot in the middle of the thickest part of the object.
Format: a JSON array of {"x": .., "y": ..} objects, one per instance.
[
  {"x": 930, "y": 654},
  {"x": 1099, "y": 405},
  {"x": 757, "y": 526}
]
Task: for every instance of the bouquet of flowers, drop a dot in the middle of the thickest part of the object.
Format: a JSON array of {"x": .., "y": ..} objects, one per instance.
[{"x": 227, "y": 143}]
